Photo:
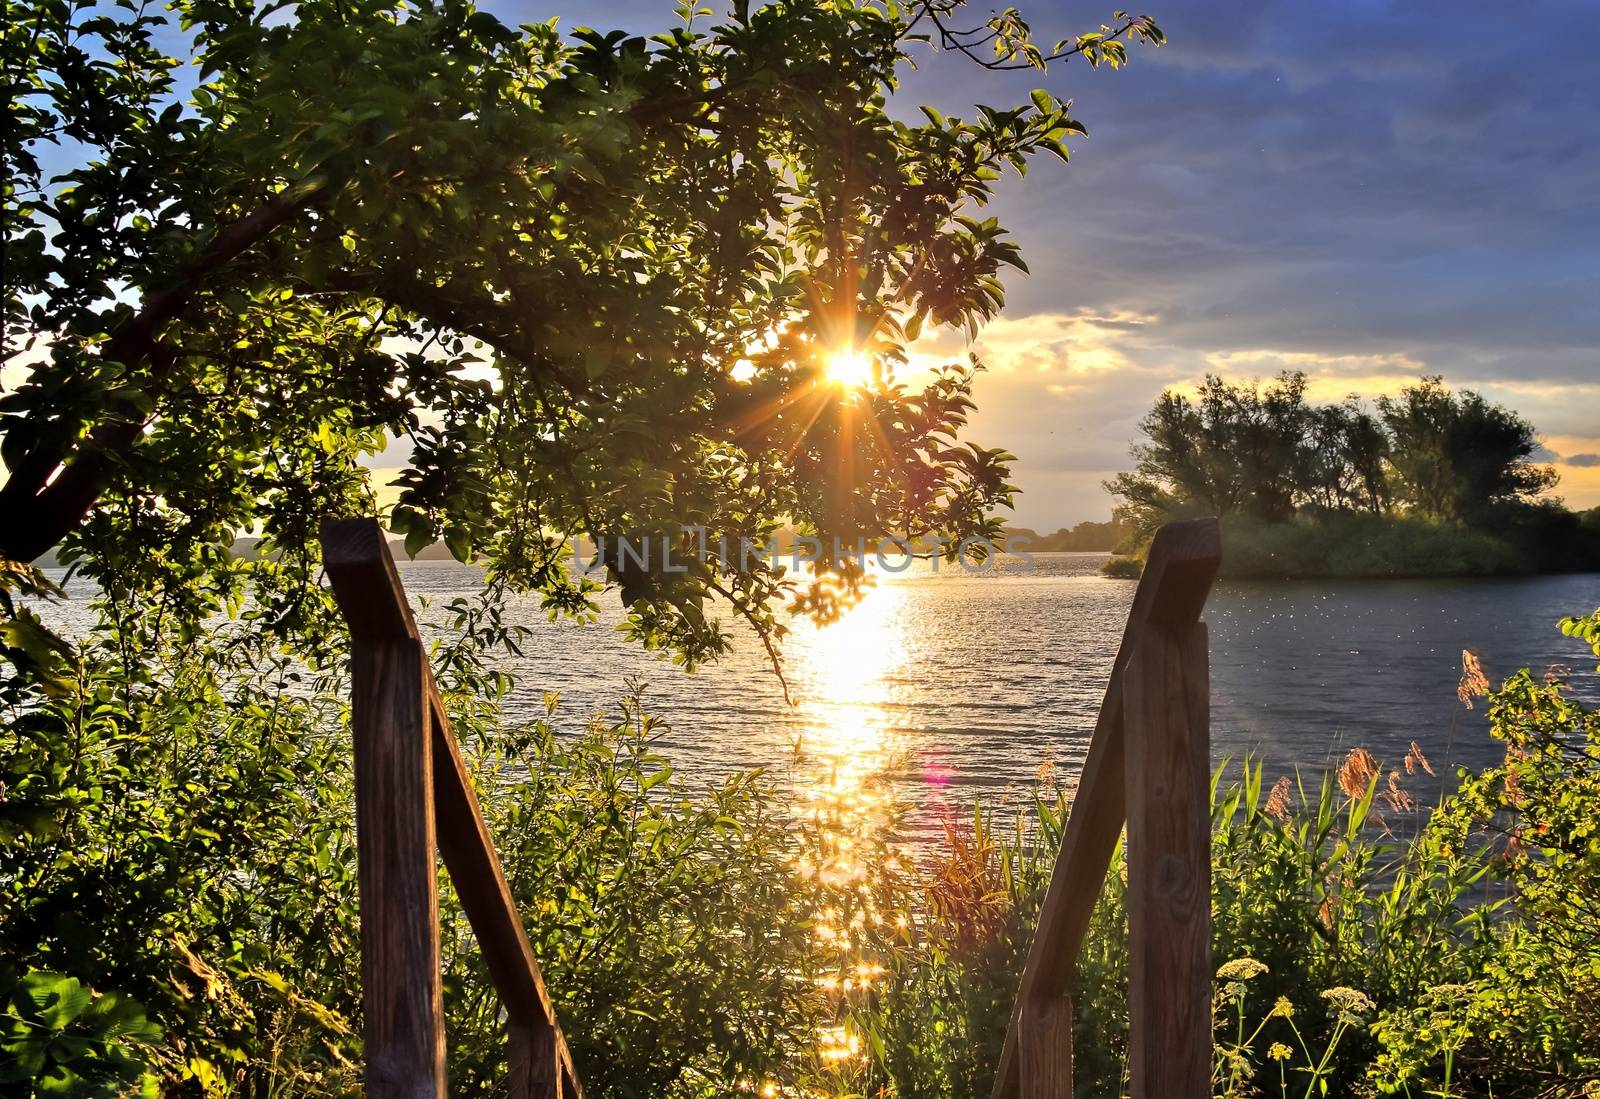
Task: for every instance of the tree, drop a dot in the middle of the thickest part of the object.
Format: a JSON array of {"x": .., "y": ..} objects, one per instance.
[
  {"x": 592, "y": 282},
  {"x": 1235, "y": 447},
  {"x": 1266, "y": 452},
  {"x": 1454, "y": 454},
  {"x": 1341, "y": 457},
  {"x": 1366, "y": 452}
]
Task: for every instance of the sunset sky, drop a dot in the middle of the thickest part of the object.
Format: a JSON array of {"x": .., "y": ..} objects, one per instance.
[{"x": 1364, "y": 191}]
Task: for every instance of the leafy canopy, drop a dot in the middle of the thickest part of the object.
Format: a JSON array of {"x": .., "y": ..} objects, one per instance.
[{"x": 589, "y": 283}]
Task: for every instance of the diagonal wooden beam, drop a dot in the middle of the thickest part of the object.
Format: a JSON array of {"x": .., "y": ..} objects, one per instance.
[
  {"x": 438, "y": 807},
  {"x": 485, "y": 896}
]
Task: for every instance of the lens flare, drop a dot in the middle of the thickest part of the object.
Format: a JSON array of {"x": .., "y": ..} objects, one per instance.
[{"x": 850, "y": 368}]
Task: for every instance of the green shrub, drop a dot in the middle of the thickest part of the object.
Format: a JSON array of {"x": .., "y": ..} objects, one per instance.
[
  {"x": 1457, "y": 962},
  {"x": 178, "y": 832},
  {"x": 671, "y": 928},
  {"x": 1546, "y": 537},
  {"x": 1511, "y": 540},
  {"x": 1355, "y": 545},
  {"x": 182, "y": 836},
  {"x": 60, "y": 1038},
  {"x": 1296, "y": 913},
  {"x": 1535, "y": 1007},
  {"x": 1122, "y": 567}
]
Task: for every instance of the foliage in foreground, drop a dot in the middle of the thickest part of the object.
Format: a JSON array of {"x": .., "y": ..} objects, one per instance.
[
  {"x": 180, "y": 841},
  {"x": 593, "y": 282},
  {"x": 179, "y": 903},
  {"x": 1364, "y": 947}
]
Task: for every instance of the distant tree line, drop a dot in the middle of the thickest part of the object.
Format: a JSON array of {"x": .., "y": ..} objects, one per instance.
[
  {"x": 1266, "y": 451},
  {"x": 1085, "y": 537},
  {"x": 1265, "y": 455}
]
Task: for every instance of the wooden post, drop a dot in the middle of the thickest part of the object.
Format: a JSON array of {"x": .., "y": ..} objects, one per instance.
[
  {"x": 1172, "y": 591},
  {"x": 535, "y": 1062},
  {"x": 1166, "y": 709},
  {"x": 1044, "y": 1040},
  {"x": 401, "y": 995}
]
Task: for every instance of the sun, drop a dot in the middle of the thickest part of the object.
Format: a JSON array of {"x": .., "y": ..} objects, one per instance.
[{"x": 850, "y": 368}]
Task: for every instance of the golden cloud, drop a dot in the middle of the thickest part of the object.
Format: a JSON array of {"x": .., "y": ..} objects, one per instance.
[{"x": 1074, "y": 344}]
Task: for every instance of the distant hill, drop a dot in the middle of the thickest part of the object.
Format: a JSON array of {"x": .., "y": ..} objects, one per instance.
[
  {"x": 246, "y": 548},
  {"x": 434, "y": 552},
  {"x": 1086, "y": 537}
]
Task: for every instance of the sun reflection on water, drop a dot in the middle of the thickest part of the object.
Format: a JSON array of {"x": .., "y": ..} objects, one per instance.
[
  {"x": 849, "y": 748},
  {"x": 843, "y": 673}
]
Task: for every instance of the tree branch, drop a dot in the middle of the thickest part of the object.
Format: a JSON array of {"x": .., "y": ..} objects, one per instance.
[
  {"x": 963, "y": 42},
  {"x": 51, "y": 488}
]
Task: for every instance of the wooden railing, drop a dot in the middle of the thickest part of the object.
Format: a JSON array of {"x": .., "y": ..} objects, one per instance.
[
  {"x": 413, "y": 797},
  {"x": 1148, "y": 766}
]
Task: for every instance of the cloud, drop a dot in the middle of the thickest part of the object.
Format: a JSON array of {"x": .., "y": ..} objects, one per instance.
[
  {"x": 1313, "y": 361},
  {"x": 1582, "y": 461},
  {"x": 1054, "y": 345},
  {"x": 1303, "y": 181}
]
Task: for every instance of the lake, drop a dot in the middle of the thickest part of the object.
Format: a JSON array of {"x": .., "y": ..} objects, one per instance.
[
  {"x": 960, "y": 685},
  {"x": 965, "y": 683}
]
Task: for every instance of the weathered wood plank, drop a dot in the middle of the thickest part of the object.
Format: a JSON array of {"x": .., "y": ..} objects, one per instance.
[
  {"x": 485, "y": 895},
  {"x": 1044, "y": 1043},
  {"x": 519, "y": 1061},
  {"x": 1167, "y": 717},
  {"x": 537, "y": 1067},
  {"x": 366, "y": 584},
  {"x": 401, "y": 995},
  {"x": 1177, "y": 578}
]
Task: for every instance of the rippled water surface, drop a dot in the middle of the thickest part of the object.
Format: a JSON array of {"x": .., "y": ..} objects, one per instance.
[
  {"x": 972, "y": 681},
  {"x": 967, "y": 683}
]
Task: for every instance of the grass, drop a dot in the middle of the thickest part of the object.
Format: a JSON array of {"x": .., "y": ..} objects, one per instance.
[
  {"x": 1508, "y": 540},
  {"x": 1457, "y": 961},
  {"x": 1362, "y": 546}
]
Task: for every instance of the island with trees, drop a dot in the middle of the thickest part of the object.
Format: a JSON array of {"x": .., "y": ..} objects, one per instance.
[{"x": 1428, "y": 482}]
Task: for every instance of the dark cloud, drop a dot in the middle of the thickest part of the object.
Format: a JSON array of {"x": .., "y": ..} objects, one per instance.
[
  {"x": 1337, "y": 179},
  {"x": 1585, "y": 461}
]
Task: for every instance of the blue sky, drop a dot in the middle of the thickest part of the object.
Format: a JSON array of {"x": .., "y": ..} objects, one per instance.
[{"x": 1366, "y": 191}]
